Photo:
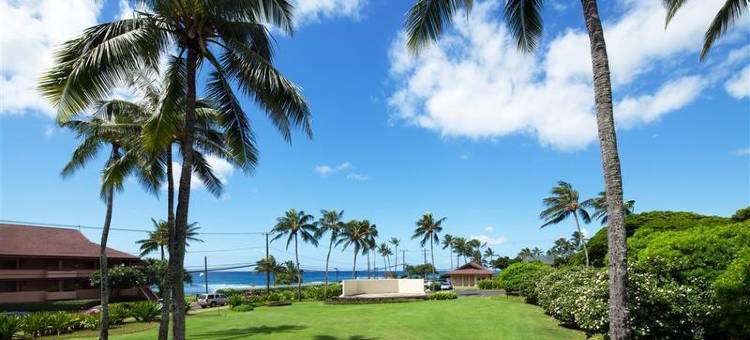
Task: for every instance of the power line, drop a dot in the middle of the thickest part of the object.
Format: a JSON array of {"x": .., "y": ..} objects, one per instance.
[{"x": 80, "y": 226}]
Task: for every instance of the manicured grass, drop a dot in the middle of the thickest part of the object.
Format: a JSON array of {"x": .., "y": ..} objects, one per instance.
[{"x": 465, "y": 318}]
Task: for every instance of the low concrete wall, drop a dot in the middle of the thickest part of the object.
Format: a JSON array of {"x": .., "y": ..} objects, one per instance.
[{"x": 356, "y": 287}]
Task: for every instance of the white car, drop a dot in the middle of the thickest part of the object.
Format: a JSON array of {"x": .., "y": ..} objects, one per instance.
[
  {"x": 446, "y": 285},
  {"x": 211, "y": 300}
]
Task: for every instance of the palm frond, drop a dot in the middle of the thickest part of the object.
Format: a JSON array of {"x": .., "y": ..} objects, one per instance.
[
  {"x": 727, "y": 15},
  {"x": 427, "y": 19},
  {"x": 206, "y": 174},
  {"x": 524, "y": 20}
]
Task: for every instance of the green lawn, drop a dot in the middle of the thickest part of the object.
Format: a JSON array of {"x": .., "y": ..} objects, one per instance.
[{"x": 465, "y": 318}]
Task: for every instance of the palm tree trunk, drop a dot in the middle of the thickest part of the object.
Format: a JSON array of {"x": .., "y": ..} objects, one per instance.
[
  {"x": 103, "y": 270},
  {"x": 177, "y": 251},
  {"x": 395, "y": 259},
  {"x": 354, "y": 267},
  {"x": 451, "y": 257},
  {"x": 369, "y": 269},
  {"x": 585, "y": 250},
  {"x": 299, "y": 271},
  {"x": 166, "y": 291},
  {"x": 328, "y": 258},
  {"x": 432, "y": 257},
  {"x": 618, "y": 275}
]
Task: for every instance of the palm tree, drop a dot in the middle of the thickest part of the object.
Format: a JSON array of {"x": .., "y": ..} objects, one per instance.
[
  {"x": 113, "y": 124},
  {"x": 355, "y": 234},
  {"x": 371, "y": 244},
  {"x": 731, "y": 11},
  {"x": 268, "y": 265},
  {"x": 424, "y": 24},
  {"x": 228, "y": 39},
  {"x": 159, "y": 237},
  {"x": 394, "y": 241},
  {"x": 562, "y": 204},
  {"x": 385, "y": 252},
  {"x": 489, "y": 253},
  {"x": 536, "y": 252},
  {"x": 459, "y": 246},
  {"x": 577, "y": 239},
  {"x": 448, "y": 243},
  {"x": 428, "y": 229},
  {"x": 525, "y": 254},
  {"x": 296, "y": 224},
  {"x": 599, "y": 204},
  {"x": 329, "y": 222}
]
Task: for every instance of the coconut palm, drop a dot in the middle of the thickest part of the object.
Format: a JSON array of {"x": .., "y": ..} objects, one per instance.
[
  {"x": 394, "y": 241},
  {"x": 228, "y": 40},
  {"x": 489, "y": 254},
  {"x": 577, "y": 239},
  {"x": 113, "y": 124},
  {"x": 731, "y": 11},
  {"x": 355, "y": 234},
  {"x": 448, "y": 243},
  {"x": 268, "y": 265},
  {"x": 371, "y": 244},
  {"x": 562, "y": 204},
  {"x": 329, "y": 222},
  {"x": 428, "y": 229},
  {"x": 159, "y": 237},
  {"x": 536, "y": 252},
  {"x": 385, "y": 252},
  {"x": 599, "y": 204},
  {"x": 459, "y": 246},
  {"x": 425, "y": 22},
  {"x": 296, "y": 224},
  {"x": 525, "y": 254}
]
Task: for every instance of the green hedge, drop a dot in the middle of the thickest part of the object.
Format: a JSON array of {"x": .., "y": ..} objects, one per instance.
[
  {"x": 520, "y": 277},
  {"x": 444, "y": 295}
]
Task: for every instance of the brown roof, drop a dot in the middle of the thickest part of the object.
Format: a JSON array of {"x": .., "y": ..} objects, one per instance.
[
  {"x": 471, "y": 268},
  {"x": 24, "y": 240}
]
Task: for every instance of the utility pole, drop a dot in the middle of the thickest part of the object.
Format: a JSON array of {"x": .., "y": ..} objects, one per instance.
[
  {"x": 205, "y": 272},
  {"x": 403, "y": 261},
  {"x": 268, "y": 272}
]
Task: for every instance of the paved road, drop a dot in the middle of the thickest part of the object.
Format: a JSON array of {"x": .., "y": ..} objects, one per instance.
[{"x": 479, "y": 292}]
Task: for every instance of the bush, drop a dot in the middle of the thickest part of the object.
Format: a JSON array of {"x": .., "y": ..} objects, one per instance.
[
  {"x": 118, "y": 313},
  {"x": 88, "y": 321},
  {"x": 318, "y": 293},
  {"x": 145, "y": 311},
  {"x": 243, "y": 308},
  {"x": 520, "y": 277},
  {"x": 9, "y": 325},
  {"x": 35, "y": 324},
  {"x": 278, "y": 303},
  {"x": 235, "y": 300},
  {"x": 489, "y": 284},
  {"x": 444, "y": 295},
  {"x": 741, "y": 215},
  {"x": 732, "y": 291}
]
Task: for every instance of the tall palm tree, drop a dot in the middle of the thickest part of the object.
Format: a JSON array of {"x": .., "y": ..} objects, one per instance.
[
  {"x": 296, "y": 224},
  {"x": 355, "y": 234},
  {"x": 536, "y": 252},
  {"x": 159, "y": 237},
  {"x": 229, "y": 40},
  {"x": 371, "y": 244},
  {"x": 330, "y": 222},
  {"x": 459, "y": 246},
  {"x": 113, "y": 124},
  {"x": 489, "y": 254},
  {"x": 562, "y": 204},
  {"x": 525, "y": 254},
  {"x": 448, "y": 243},
  {"x": 424, "y": 24},
  {"x": 731, "y": 11},
  {"x": 428, "y": 229},
  {"x": 385, "y": 252},
  {"x": 394, "y": 241},
  {"x": 268, "y": 265},
  {"x": 599, "y": 204},
  {"x": 577, "y": 239}
]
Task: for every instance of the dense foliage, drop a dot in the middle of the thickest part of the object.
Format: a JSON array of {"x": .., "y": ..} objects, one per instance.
[
  {"x": 741, "y": 215},
  {"x": 420, "y": 270},
  {"x": 444, "y": 295},
  {"x": 520, "y": 277}
]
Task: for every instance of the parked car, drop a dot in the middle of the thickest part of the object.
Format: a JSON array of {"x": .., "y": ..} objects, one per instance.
[
  {"x": 211, "y": 300},
  {"x": 446, "y": 285}
]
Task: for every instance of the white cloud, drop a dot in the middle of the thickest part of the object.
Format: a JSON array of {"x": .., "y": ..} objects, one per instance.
[
  {"x": 742, "y": 152},
  {"x": 310, "y": 11},
  {"x": 492, "y": 241},
  {"x": 31, "y": 30},
  {"x": 221, "y": 168},
  {"x": 739, "y": 85},
  {"x": 463, "y": 156},
  {"x": 475, "y": 84},
  {"x": 358, "y": 177},
  {"x": 325, "y": 170},
  {"x": 489, "y": 228}
]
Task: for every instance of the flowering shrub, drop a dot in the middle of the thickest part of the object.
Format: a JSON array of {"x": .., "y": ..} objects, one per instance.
[
  {"x": 443, "y": 295},
  {"x": 521, "y": 277}
]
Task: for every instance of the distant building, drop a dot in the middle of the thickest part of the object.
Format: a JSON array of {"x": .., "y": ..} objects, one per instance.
[
  {"x": 43, "y": 264},
  {"x": 468, "y": 275}
]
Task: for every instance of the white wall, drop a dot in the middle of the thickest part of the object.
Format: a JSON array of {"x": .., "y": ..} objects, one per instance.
[{"x": 409, "y": 286}]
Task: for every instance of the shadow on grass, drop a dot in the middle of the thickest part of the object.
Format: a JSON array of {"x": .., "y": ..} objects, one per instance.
[
  {"x": 331, "y": 337},
  {"x": 237, "y": 333}
]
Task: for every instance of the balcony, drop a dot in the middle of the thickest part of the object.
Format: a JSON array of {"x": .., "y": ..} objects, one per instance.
[{"x": 26, "y": 274}]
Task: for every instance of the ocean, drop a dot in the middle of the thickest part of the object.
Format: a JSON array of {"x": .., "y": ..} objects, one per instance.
[{"x": 248, "y": 279}]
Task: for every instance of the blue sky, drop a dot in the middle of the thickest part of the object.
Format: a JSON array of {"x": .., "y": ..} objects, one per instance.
[{"x": 472, "y": 130}]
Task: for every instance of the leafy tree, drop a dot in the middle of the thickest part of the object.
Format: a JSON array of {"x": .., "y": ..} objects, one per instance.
[
  {"x": 502, "y": 262},
  {"x": 741, "y": 215},
  {"x": 155, "y": 272},
  {"x": 562, "y": 204},
  {"x": 296, "y": 224},
  {"x": 355, "y": 234},
  {"x": 229, "y": 39},
  {"x": 562, "y": 250},
  {"x": 448, "y": 244},
  {"x": 420, "y": 270},
  {"x": 424, "y": 24},
  {"x": 330, "y": 222},
  {"x": 121, "y": 276},
  {"x": 731, "y": 11},
  {"x": 428, "y": 229},
  {"x": 113, "y": 124},
  {"x": 288, "y": 273}
]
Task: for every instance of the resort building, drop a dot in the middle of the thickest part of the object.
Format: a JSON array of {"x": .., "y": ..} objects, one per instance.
[
  {"x": 43, "y": 263},
  {"x": 468, "y": 275}
]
